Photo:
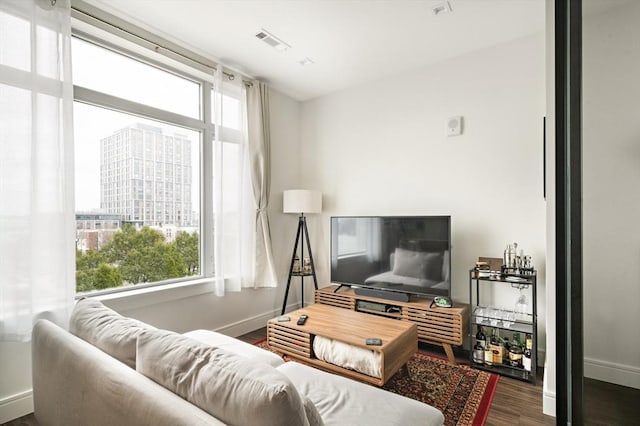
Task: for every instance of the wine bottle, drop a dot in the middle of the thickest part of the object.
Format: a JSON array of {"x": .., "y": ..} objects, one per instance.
[
  {"x": 516, "y": 340},
  {"x": 481, "y": 338},
  {"x": 526, "y": 359},
  {"x": 478, "y": 353}
]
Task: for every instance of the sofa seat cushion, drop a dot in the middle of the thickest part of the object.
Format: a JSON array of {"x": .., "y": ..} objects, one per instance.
[
  {"x": 235, "y": 346},
  {"x": 107, "y": 330},
  {"x": 234, "y": 389},
  {"x": 341, "y": 401}
]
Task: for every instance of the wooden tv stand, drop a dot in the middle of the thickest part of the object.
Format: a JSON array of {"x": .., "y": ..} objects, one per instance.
[{"x": 440, "y": 326}]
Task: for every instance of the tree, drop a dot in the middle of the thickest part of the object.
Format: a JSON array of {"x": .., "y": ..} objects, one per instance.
[
  {"x": 107, "y": 276},
  {"x": 143, "y": 256},
  {"x": 99, "y": 278},
  {"x": 89, "y": 260},
  {"x": 128, "y": 240},
  {"x": 137, "y": 256},
  {"x": 188, "y": 246}
]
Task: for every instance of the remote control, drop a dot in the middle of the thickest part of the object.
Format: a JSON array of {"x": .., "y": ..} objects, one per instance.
[
  {"x": 302, "y": 319},
  {"x": 284, "y": 318},
  {"x": 373, "y": 341}
]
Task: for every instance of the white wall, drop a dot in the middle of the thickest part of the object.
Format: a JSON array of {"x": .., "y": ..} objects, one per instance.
[
  {"x": 194, "y": 307},
  {"x": 611, "y": 200},
  {"x": 381, "y": 149},
  {"x": 15, "y": 380}
]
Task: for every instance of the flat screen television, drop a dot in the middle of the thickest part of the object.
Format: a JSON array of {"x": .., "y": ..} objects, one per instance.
[{"x": 401, "y": 254}]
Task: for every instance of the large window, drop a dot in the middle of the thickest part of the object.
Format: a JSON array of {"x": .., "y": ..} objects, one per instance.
[{"x": 140, "y": 132}]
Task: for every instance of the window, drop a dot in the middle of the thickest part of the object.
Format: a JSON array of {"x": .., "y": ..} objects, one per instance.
[
  {"x": 353, "y": 237},
  {"x": 139, "y": 138},
  {"x": 114, "y": 74}
]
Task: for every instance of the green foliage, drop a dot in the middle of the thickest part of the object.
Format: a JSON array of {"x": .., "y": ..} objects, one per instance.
[
  {"x": 188, "y": 247},
  {"x": 137, "y": 256},
  {"x": 99, "y": 278},
  {"x": 107, "y": 276}
]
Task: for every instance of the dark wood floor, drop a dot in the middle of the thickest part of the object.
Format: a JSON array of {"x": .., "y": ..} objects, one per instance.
[{"x": 520, "y": 403}]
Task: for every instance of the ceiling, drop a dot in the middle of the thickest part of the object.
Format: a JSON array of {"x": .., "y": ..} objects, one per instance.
[{"x": 351, "y": 42}]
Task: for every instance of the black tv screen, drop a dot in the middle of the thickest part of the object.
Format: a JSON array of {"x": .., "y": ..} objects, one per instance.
[{"x": 408, "y": 254}]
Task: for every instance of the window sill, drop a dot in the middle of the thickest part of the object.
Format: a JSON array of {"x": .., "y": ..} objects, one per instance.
[{"x": 153, "y": 295}]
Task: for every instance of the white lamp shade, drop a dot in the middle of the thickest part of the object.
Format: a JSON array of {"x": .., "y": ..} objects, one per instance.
[{"x": 301, "y": 201}]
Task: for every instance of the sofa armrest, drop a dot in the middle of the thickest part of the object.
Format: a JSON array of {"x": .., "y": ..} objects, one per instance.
[{"x": 75, "y": 383}]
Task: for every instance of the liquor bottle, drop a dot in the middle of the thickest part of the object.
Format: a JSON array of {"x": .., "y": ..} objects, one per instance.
[
  {"x": 516, "y": 351},
  {"x": 526, "y": 359},
  {"x": 515, "y": 356},
  {"x": 481, "y": 338},
  {"x": 478, "y": 353},
  {"x": 528, "y": 341},
  {"x": 497, "y": 347},
  {"x": 488, "y": 355}
]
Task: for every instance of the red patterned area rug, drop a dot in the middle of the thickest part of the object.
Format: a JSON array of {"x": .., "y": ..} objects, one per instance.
[{"x": 462, "y": 393}]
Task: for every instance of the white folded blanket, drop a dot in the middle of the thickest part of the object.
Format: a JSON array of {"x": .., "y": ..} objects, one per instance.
[{"x": 362, "y": 360}]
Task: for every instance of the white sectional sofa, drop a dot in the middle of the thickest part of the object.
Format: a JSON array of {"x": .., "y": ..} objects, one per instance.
[{"x": 113, "y": 370}]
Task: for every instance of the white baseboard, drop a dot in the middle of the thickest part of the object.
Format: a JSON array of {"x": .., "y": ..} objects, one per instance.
[
  {"x": 549, "y": 403},
  {"x": 619, "y": 374},
  {"x": 248, "y": 325},
  {"x": 548, "y": 396},
  {"x": 15, "y": 406}
]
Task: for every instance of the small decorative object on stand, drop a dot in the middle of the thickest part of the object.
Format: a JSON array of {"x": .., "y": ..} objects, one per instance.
[
  {"x": 306, "y": 266},
  {"x": 296, "y": 265},
  {"x": 514, "y": 263},
  {"x": 481, "y": 269}
]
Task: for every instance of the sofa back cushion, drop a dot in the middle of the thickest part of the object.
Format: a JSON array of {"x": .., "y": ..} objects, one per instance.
[
  {"x": 107, "y": 330},
  {"x": 77, "y": 384},
  {"x": 232, "y": 388}
]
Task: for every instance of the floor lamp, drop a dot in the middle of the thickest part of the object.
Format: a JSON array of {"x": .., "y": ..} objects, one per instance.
[{"x": 301, "y": 201}]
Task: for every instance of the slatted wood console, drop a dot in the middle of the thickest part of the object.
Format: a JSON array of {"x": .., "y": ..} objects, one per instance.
[{"x": 442, "y": 326}]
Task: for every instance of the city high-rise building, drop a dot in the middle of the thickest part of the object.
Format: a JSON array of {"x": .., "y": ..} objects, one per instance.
[{"x": 145, "y": 176}]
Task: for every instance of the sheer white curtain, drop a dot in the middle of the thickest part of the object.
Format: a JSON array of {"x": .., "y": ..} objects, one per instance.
[
  {"x": 234, "y": 207},
  {"x": 259, "y": 142},
  {"x": 37, "y": 224}
]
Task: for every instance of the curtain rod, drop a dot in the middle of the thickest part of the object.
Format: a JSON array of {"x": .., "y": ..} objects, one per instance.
[{"x": 86, "y": 13}]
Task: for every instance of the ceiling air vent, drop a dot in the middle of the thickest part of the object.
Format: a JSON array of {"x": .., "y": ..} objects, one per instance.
[{"x": 272, "y": 40}]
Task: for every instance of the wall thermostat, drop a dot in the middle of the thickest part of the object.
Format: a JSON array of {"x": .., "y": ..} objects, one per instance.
[{"x": 454, "y": 126}]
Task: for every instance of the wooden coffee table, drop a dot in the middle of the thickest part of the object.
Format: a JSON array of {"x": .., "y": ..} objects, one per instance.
[{"x": 399, "y": 338}]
